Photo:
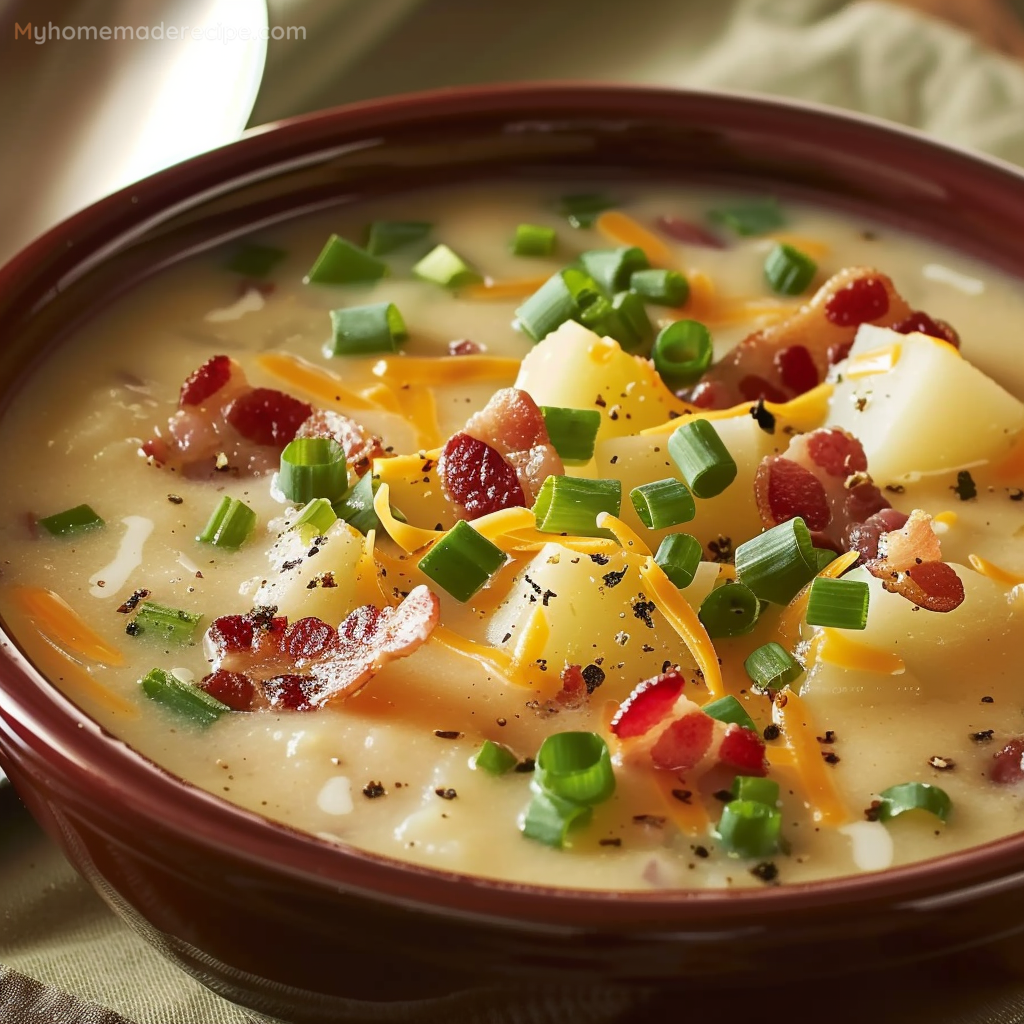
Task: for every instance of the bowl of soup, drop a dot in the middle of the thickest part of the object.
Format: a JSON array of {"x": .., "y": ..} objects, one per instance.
[{"x": 525, "y": 540}]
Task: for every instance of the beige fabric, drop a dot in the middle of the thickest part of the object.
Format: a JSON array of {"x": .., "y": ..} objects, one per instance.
[{"x": 867, "y": 56}]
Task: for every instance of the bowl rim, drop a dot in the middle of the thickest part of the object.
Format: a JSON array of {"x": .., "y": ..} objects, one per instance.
[{"x": 52, "y": 734}]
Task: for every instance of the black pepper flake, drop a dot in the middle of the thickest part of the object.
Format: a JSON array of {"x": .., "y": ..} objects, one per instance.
[
  {"x": 830, "y": 757},
  {"x": 725, "y": 795},
  {"x": 721, "y": 549},
  {"x": 175, "y": 499},
  {"x": 684, "y": 796},
  {"x": 131, "y": 602},
  {"x": 292, "y": 563},
  {"x": 829, "y": 737},
  {"x": 965, "y": 488},
  {"x": 533, "y": 586},
  {"x": 505, "y": 639},
  {"x": 984, "y": 736},
  {"x": 325, "y": 580},
  {"x": 501, "y": 721},
  {"x": 613, "y": 579},
  {"x": 654, "y": 820},
  {"x": 988, "y": 700},
  {"x": 771, "y": 732},
  {"x": 599, "y": 559},
  {"x": 872, "y": 812},
  {"x": 1016, "y": 494},
  {"x": 762, "y": 417},
  {"x": 701, "y": 851},
  {"x": 446, "y": 794},
  {"x": 600, "y": 402},
  {"x": 609, "y": 842},
  {"x": 942, "y": 764},
  {"x": 527, "y": 765},
  {"x": 133, "y": 628},
  {"x": 547, "y": 595},
  {"x": 593, "y": 676},
  {"x": 642, "y": 610},
  {"x": 766, "y": 871},
  {"x": 448, "y": 734},
  {"x": 615, "y": 459},
  {"x": 895, "y": 488},
  {"x": 372, "y": 790}
]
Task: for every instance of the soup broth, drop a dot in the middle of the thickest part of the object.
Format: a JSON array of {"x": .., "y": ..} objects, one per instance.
[{"x": 420, "y": 740}]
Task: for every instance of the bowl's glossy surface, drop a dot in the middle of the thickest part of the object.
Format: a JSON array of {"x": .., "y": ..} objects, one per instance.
[{"x": 282, "y": 921}]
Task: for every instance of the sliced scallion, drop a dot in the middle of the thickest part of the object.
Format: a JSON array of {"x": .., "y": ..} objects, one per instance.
[
  {"x": 572, "y": 432},
  {"x": 753, "y": 787},
  {"x": 356, "y": 506},
  {"x": 789, "y": 271},
  {"x": 562, "y": 297},
  {"x": 533, "y": 240},
  {"x": 548, "y": 819},
  {"x": 839, "y": 603},
  {"x": 571, "y": 505},
  {"x": 750, "y": 216},
  {"x": 318, "y": 515},
  {"x": 630, "y": 307},
  {"x": 447, "y": 268},
  {"x": 612, "y": 268},
  {"x": 824, "y": 556},
  {"x": 749, "y": 828},
  {"x": 702, "y": 458},
  {"x": 662, "y": 287},
  {"x": 771, "y": 667},
  {"x": 71, "y": 520},
  {"x": 582, "y": 210},
  {"x": 682, "y": 352},
  {"x": 388, "y": 235},
  {"x": 462, "y": 561},
  {"x": 777, "y": 563},
  {"x": 252, "y": 260},
  {"x": 184, "y": 699},
  {"x": 663, "y": 503},
  {"x": 575, "y": 766},
  {"x": 495, "y": 758},
  {"x": 913, "y": 796},
  {"x": 679, "y": 556},
  {"x": 731, "y": 711},
  {"x": 160, "y": 622},
  {"x": 601, "y": 317},
  {"x": 729, "y": 610},
  {"x": 230, "y": 525},
  {"x": 341, "y": 262},
  {"x": 313, "y": 467},
  {"x": 362, "y": 330}
]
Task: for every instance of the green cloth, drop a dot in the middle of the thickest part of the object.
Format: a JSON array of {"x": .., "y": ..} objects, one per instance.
[{"x": 872, "y": 57}]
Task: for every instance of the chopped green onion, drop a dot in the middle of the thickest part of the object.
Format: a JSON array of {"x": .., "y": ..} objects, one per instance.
[
  {"x": 663, "y": 287},
  {"x": 663, "y": 503},
  {"x": 612, "y": 268},
  {"x": 682, "y": 352},
  {"x": 533, "y": 240},
  {"x": 495, "y": 758},
  {"x": 679, "y": 556},
  {"x": 729, "y": 610},
  {"x": 575, "y": 766},
  {"x": 603, "y": 318},
  {"x": 159, "y": 622},
  {"x": 341, "y": 262},
  {"x": 251, "y": 260},
  {"x": 72, "y": 520},
  {"x": 630, "y": 307},
  {"x": 230, "y": 525},
  {"x": 572, "y": 432},
  {"x": 771, "y": 667},
  {"x": 182, "y": 698},
  {"x": 789, "y": 271},
  {"x": 362, "y": 330},
  {"x": 702, "y": 458},
  {"x": 356, "y": 506},
  {"x": 582, "y": 210},
  {"x": 444, "y": 267},
  {"x": 571, "y": 505},
  {"x": 824, "y": 556},
  {"x": 752, "y": 787},
  {"x": 317, "y": 514},
  {"x": 313, "y": 467},
  {"x": 776, "y": 564},
  {"x": 562, "y": 297},
  {"x": 462, "y": 561},
  {"x": 549, "y": 818},
  {"x": 750, "y": 217},
  {"x": 913, "y": 796},
  {"x": 731, "y": 711},
  {"x": 387, "y": 235},
  {"x": 750, "y": 828},
  {"x": 839, "y": 603}
]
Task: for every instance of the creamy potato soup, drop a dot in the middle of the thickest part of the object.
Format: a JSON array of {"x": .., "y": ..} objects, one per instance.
[{"x": 634, "y": 539}]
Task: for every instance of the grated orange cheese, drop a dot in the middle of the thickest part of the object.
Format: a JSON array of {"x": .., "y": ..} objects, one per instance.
[
  {"x": 833, "y": 647},
  {"x": 314, "y": 380},
  {"x": 495, "y": 288},
  {"x": 490, "y": 657},
  {"x": 423, "y": 370},
  {"x": 994, "y": 572},
  {"x": 529, "y": 648},
  {"x": 625, "y": 535},
  {"x": 622, "y": 229},
  {"x": 408, "y": 538},
  {"x": 59, "y": 623},
  {"x": 691, "y": 818},
  {"x": 878, "y": 360},
  {"x": 421, "y": 411}
]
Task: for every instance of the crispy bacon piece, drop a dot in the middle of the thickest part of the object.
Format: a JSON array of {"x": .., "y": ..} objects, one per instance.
[
  {"x": 500, "y": 459},
  {"x": 789, "y": 358},
  {"x": 922, "y": 322},
  {"x": 267, "y": 416},
  {"x": 822, "y": 477},
  {"x": 658, "y": 721},
  {"x": 1008, "y": 766},
  {"x": 304, "y": 665},
  {"x": 865, "y": 537},
  {"x": 573, "y": 693},
  {"x": 687, "y": 232},
  {"x": 361, "y": 448}
]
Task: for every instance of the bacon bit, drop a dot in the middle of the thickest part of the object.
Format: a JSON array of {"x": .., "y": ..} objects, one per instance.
[
  {"x": 231, "y": 633},
  {"x": 465, "y": 347},
  {"x": 308, "y": 638},
  {"x": 923, "y": 323},
  {"x": 476, "y": 479},
  {"x": 823, "y": 329},
  {"x": 684, "y": 742},
  {"x": 130, "y": 603},
  {"x": 267, "y": 416},
  {"x": 1008, "y": 767},
  {"x": 361, "y": 448},
  {"x": 232, "y": 688},
  {"x": 933, "y": 586},
  {"x": 207, "y": 380},
  {"x": 784, "y": 490},
  {"x": 648, "y": 704},
  {"x": 913, "y": 543},
  {"x": 686, "y": 232},
  {"x": 574, "y": 692}
]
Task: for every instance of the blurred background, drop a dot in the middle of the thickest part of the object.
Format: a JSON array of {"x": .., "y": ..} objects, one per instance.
[{"x": 85, "y": 115}]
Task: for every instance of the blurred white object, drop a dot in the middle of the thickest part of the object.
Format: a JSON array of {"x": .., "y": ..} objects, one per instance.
[{"x": 83, "y": 115}]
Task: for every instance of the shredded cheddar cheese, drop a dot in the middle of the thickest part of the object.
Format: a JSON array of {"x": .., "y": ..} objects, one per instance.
[
  {"x": 994, "y": 572},
  {"x": 495, "y": 288},
  {"x": 878, "y": 360},
  {"x": 624, "y": 534},
  {"x": 689, "y": 816},
  {"x": 63, "y": 626},
  {"x": 620, "y": 228},
  {"x": 408, "y": 538},
  {"x": 436, "y": 370},
  {"x": 421, "y": 410},
  {"x": 316, "y": 381},
  {"x": 834, "y": 647}
]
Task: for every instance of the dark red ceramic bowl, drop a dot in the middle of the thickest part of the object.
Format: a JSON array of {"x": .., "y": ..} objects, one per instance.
[{"x": 284, "y": 922}]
